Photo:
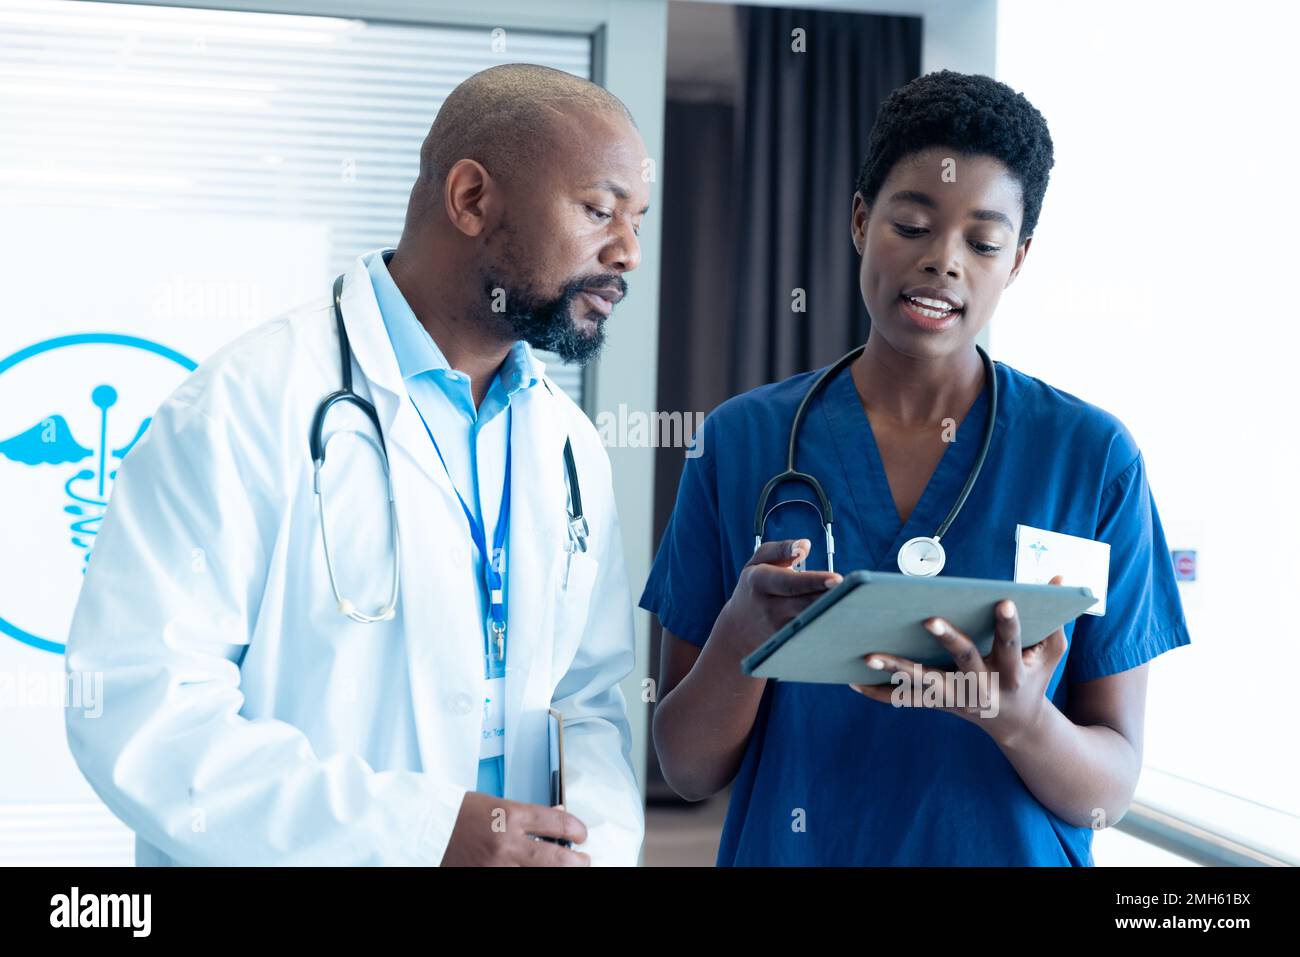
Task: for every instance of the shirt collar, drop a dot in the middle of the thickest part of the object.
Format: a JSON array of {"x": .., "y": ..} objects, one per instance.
[
  {"x": 417, "y": 352},
  {"x": 521, "y": 368}
]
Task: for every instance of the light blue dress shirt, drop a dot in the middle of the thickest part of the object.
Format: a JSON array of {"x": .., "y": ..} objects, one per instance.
[{"x": 472, "y": 440}]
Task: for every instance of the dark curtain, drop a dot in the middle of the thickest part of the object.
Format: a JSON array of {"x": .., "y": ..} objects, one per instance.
[
  {"x": 756, "y": 203},
  {"x": 695, "y": 289},
  {"x": 802, "y": 125},
  {"x": 695, "y": 302}
]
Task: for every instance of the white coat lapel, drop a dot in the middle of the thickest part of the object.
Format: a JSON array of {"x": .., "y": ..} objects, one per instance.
[
  {"x": 373, "y": 350},
  {"x": 538, "y": 531},
  {"x": 442, "y": 644},
  {"x": 443, "y": 641}
]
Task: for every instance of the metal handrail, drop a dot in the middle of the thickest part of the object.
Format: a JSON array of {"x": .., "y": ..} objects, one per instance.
[{"x": 1192, "y": 841}]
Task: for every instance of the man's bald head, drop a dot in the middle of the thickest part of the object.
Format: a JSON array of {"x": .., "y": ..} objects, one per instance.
[
  {"x": 503, "y": 117},
  {"x": 525, "y": 215}
]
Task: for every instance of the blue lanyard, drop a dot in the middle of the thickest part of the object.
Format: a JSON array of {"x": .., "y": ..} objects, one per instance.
[{"x": 493, "y": 562}]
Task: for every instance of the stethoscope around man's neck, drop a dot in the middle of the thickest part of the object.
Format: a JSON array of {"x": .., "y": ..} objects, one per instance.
[
  {"x": 576, "y": 522},
  {"x": 922, "y": 556}
]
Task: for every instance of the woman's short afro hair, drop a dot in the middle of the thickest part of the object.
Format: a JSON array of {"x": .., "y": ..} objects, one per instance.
[{"x": 967, "y": 113}]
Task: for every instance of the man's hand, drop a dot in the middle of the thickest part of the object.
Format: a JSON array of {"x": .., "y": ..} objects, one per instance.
[{"x": 493, "y": 832}]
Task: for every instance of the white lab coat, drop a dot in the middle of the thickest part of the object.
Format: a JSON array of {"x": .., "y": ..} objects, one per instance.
[{"x": 247, "y": 721}]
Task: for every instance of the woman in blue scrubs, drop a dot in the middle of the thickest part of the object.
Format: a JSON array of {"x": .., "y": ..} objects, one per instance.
[{"x": 942, "y": 217}]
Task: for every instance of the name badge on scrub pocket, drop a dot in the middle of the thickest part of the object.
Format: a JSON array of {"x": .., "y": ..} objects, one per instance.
[{"x": 1041, "y": 555}]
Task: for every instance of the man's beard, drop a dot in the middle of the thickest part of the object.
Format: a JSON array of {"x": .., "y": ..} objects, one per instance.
[{"x": 547, "y": 323}]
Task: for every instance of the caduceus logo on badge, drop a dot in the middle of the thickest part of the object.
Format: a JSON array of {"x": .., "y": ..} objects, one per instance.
[{"x": 71, "y": 409}]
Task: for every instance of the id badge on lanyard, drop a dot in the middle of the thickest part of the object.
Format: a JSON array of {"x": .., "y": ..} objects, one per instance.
[
  {"x": 493, "y": 743},
  {"x": 493, "y": 734}
]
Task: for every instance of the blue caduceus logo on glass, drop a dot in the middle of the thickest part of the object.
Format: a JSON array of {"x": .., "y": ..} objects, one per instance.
[{"x": 50, "y": 443}]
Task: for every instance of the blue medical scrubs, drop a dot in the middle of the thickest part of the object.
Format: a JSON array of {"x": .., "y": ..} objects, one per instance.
[
  {"x": 472, "y": 440},
  {"x": 830, "y": 777}
]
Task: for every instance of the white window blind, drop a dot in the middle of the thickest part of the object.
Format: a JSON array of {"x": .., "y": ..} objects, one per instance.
[{"x": 250, "y": 116}]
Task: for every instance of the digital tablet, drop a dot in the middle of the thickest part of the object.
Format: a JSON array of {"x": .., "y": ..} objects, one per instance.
[
  {"x": 555, "y": 738},
  {"x": 881, "y": 611}
]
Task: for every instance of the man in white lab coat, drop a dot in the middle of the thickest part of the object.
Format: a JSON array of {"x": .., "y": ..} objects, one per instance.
[{"x": 248, "y": 718}]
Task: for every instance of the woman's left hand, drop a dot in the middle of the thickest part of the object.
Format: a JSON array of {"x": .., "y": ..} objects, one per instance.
[{"x": 1010, "y": 684}]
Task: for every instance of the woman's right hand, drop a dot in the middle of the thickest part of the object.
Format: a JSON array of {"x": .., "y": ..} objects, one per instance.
[{"x": 768, "y": 594}]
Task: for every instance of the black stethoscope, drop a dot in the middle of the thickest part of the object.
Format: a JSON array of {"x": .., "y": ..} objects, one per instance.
[
  {"x": 922, "y": 556},
  {"x": 577, "y": 524}
]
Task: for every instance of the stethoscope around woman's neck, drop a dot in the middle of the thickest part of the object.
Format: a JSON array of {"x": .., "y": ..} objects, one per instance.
[{"x": 922, "y": 556}]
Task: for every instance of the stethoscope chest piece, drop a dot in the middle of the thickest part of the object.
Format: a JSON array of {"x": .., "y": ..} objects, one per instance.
[{"x": 922, "y": 557}]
